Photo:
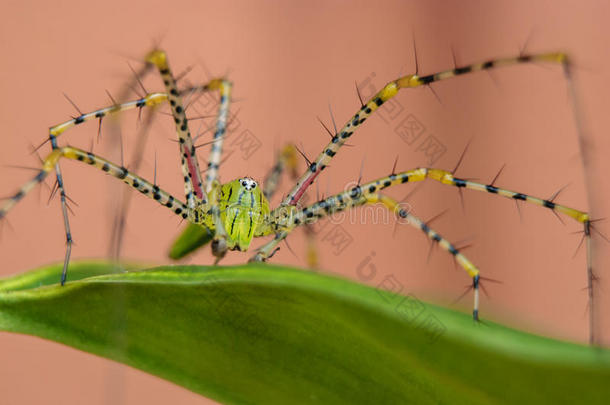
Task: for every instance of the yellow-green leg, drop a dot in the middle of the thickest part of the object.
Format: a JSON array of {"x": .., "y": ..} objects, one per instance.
[
  {"x": 369, "y": 193},
  {"x": 353, "y": 198},
  {"x": 287, "y": 160},
  {"x": 142, "y": 185},
  {"x": 389, "y": 91},
  {"x": 193, "y": 183}
]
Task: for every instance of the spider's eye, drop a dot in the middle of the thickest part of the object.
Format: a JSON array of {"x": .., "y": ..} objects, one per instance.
[{"x": 243, "y": 183}]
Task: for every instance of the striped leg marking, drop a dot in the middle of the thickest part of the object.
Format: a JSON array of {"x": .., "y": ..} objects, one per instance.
[
  {"x": 150, "y": 100},
  {"x": 137, "y": 182},
  {"x": 389, "y": 91},
  {"x": 369, "y": 193},
  {"x": 224, "y": 87},
  {"x": 221, "y": 240},
  {"x": 359, "y": 196},
  {"x": 287, "y": 160},
  {"x": 193, "y": 183},
  {"x": 445, "y": 177}
]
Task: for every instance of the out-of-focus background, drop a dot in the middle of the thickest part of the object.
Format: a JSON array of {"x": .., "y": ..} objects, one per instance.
[{"x": 289, "y": 61}]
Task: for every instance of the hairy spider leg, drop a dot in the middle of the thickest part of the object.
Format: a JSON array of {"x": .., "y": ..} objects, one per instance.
[
  {"x": 193, "y": 183},
  {"x": 195, "y": 194},
  {"x": 368, "y": 193},
  {"x": 221, "y": 240},
  {"x": 142, "y": 185},
  {"x": 355, "y": 197},
  {"x": 137, "y": 182},
  {"x": 150, "y": 100},
  {"x": 57, "y": 130},
  {"x": 446, "y": 177},
  {"x": 224, "y": 87},
  {"x": 389, "y": 91},
  {"x": 287, "y": 159},
  {"x": 120, "y": 216}
]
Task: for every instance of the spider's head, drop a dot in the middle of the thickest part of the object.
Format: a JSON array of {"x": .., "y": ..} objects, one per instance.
[
  {"x": 248, "y": 183},
  {"x": 244, "y": 191}
]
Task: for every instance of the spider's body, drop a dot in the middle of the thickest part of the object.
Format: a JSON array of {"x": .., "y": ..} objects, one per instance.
[
  {"x": 232, "y": 214},
  {"x": 243, "y": 211}
]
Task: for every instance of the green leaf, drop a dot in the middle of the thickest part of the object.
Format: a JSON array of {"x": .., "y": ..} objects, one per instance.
[
  {"x": 192, "y": 238},
  {"x": 266, "y": 334}
]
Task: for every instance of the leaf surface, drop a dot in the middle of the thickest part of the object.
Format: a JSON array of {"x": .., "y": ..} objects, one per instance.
[{"x": 267, "y": 334}]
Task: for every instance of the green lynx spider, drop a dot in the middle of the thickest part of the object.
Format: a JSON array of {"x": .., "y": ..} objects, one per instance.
[{"x": 238, "y": 211}]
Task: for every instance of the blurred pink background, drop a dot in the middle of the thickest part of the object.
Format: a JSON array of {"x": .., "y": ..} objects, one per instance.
[{"x": 288, "y": 62}]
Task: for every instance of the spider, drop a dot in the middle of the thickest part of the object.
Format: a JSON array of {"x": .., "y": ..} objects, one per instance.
[{"x": 232, "y": 214}]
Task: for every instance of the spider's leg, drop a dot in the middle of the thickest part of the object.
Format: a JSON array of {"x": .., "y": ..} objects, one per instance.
[
  {"x": 414, "y": 221},
  {"x": 447, "y": 178},
  {"x": 196, "y": 192},
  {"x": 369, "y": 192},
  {"x": 149, "y": 100},
  {"x": 224, "y": 87},
  {"x": 194, "y": 236},
  {"x": 124, "y": 201},
  {"x": 193, "y": 183},
  {"x": 389, "y": 91},
  {"x": 357, "y": 196},
  {"x": 287, "y": 160},
  {"x": 221, "y": 240},
  {"x": 137, "y": 182}
]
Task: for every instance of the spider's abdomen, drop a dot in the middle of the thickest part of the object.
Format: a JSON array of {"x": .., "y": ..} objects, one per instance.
[{"x": 243, "y": 210}]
